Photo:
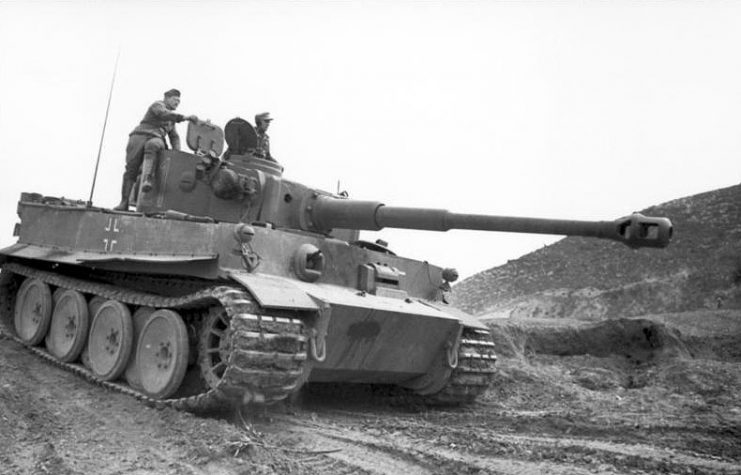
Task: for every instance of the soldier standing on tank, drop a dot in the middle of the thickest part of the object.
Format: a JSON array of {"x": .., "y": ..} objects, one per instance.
[
  {"x": 262, "y": 122},
  {"x": 147, "y": 141}
]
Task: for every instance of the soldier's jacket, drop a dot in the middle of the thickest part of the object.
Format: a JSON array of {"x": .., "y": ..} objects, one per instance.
[
  {"x": 263, "y": 145},
  {"x": 159, "y": 121}
]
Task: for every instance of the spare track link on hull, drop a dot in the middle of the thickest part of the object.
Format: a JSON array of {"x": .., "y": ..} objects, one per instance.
[
  {"x": 249, "y": 366},
  {"x": 474, "y": 372}
]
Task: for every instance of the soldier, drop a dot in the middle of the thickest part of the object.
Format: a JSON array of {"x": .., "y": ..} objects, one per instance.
[
  {"x": 147, "y": 141},
  {"x": 262, "y": 121}
]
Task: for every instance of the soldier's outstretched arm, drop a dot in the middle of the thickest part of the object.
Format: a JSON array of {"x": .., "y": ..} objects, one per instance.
[{"x": 162, "y": 112}]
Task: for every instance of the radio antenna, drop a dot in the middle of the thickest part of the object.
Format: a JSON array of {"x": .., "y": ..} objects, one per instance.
[{"x": 105, "y": 122}]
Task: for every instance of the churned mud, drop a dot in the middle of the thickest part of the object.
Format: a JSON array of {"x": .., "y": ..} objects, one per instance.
[{"x": 652, "y": 395}]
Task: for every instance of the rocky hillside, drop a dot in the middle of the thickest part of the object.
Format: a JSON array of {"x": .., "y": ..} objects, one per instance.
[{"x": 591, "y": 279}]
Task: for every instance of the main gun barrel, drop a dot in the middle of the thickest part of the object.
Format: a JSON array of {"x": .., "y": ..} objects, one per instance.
[{"x": 635, "y": 230}]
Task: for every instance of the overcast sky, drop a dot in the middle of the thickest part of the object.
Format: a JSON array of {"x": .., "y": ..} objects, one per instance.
[{"x": 586, "y": 110}]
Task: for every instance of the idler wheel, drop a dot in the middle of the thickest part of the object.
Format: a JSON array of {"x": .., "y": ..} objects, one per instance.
[
  {"x": 111, "y": 338},
  {"x": 214, "y": 346},
  {"x": 33, "y": 308},
  {"x": 162, "y": 353},
  {"x": 132, "y": 374},
  {"x": 69, "y": 326}
]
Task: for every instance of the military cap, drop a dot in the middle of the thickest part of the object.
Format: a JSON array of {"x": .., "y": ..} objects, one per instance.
[
  {"x": 172, "y": 92},
  {"x": 263, "y": 116}
]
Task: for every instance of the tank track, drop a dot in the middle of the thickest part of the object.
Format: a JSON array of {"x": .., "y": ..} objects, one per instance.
[
  {"x": 474, "y": 372},
  {"x": 256, "y": 368}
]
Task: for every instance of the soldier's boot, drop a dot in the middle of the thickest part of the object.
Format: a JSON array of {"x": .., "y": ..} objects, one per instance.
[
  {"x": 147, "y": 174},
  {"x": 125, "y": 193}
]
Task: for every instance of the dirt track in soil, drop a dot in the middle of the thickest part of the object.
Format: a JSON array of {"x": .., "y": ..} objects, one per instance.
[{"x": 662, "y": 411}]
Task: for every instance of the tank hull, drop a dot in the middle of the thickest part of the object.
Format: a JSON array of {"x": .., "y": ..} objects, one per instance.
[{"x": 397, "y": 333}]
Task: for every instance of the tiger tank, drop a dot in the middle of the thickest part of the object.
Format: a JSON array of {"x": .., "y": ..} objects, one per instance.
[{"x": 229, "y": 284}]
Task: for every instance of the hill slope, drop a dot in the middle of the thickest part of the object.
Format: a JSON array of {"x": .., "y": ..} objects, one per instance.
[{"x": 591, "y": 279}]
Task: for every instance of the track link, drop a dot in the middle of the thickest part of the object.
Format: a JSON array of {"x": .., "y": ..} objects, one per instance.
[
  {"x": 256, "y": 368},
  {"x": 474, "y": 372}
]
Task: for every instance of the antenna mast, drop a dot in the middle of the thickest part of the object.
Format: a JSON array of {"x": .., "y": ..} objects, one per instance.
[{"x": 105, "y": 122}]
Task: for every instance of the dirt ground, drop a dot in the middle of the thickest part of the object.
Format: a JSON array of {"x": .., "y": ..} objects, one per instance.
[{"x": 652, "y": 395}]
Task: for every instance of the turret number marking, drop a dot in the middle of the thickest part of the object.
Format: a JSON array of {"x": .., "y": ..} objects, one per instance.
[
  {"x": 111, "y": 226},
  {"x": 106, "y": 243}
]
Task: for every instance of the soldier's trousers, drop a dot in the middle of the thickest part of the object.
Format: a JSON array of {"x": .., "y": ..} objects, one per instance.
[{"x": 140, "y": 148}]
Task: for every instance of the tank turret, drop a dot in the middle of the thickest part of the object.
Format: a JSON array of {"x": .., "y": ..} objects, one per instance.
[{"x": 244, "y": 187}]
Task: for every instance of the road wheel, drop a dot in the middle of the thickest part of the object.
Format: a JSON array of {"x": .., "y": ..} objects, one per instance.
[
  {"x": 33, "y": 307},
  {"x": 56, "y": 294},
  {"x": 132, "y": 373},
  {"x": 162, "y": 353},
  {"x": 111, "y": 338},
  {"x": 69, "y": 326},
  {"x": 92, "y": 308}
]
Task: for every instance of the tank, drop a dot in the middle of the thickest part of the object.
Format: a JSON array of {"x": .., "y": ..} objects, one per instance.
[{"x": 231, "y": 285}]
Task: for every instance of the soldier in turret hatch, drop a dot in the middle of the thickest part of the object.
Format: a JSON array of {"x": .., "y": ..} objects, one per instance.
[
  {"x": 147, "y": 141},
  {"x": 262, "y": 122}
]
